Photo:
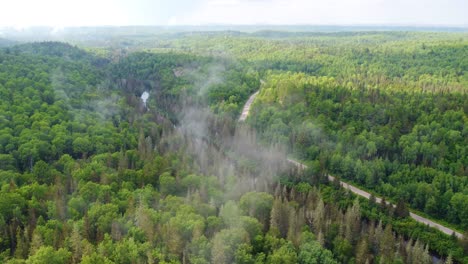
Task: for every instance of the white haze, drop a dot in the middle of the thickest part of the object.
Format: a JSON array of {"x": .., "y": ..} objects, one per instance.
[
  {"x": 66, "y": 13},
  {"x": 144, "y": 97}
]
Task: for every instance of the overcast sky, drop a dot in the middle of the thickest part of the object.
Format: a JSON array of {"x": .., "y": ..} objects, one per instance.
[{"x": 62, "y": 13}]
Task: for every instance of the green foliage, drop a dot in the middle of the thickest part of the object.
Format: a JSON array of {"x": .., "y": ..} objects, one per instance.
[
  {"x": 167, "y": 184},
  {"x": 285, "y": 254},
  {"x": 49, "y": 255},
  {"x": 95, "y": 258},
  {"x": 257, "y": 204},
  {"x": 226, "y": 243},
  {"x": 311, "y": 252},
  {"x": 88, "y": 175},
  {"x": 398, "y": 143}
]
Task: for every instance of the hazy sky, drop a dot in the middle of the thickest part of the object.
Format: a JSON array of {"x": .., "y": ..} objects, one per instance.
[{"x": 61, "y": 13}]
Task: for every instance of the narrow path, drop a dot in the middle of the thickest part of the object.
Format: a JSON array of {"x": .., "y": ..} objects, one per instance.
[
  {"x": 246, "y": 109},
  {"x": 418, "y": 218},
  {"x": 367, "y": 195}
]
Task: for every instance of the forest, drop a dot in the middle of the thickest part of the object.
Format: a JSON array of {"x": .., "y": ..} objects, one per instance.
[{"x": 89, "y": 173}]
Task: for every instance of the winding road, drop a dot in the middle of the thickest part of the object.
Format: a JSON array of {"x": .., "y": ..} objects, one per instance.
[
  {"x": 367, "y": 195},
  {"x": 354, "y": 189}
]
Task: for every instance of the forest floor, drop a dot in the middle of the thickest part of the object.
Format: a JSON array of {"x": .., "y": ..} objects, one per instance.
[{"x": 354, "y": 189}]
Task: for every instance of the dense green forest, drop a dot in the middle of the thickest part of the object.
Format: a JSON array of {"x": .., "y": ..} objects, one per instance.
[
  {"x": 91, "y": 174},
  {"x": 409, "y": 146},
  {"x": 384, "y": 110}
]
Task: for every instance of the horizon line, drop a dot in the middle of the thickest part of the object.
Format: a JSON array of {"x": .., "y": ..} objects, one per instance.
[{"x": 422, "y": 25}]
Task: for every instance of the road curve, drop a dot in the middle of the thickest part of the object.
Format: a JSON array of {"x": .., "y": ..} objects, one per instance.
[
  {"x": 367, "y": 195},
  {"x": 355, "y": 190}
]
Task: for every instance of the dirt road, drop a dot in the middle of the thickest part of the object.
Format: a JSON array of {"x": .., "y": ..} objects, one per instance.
[{"x": 246, "y": 109}]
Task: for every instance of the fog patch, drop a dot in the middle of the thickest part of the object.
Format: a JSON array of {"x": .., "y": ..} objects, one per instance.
[{"x": 144, "y": 98}]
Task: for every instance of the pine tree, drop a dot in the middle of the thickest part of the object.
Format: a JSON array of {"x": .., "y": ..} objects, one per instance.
[
  {"x": 21, "y": 250},
  {"x": 362, "y": 251},
  {"x": 352, "y": 222},
  {"x": 277, "y": 190},
  {"x": 401, "y": 211},
  {"x": 417, "y": 253},
  {"x": 143, "y": 221},
  {"x": 293, "y": 227},
  {"x": 409, "y": 251},
  {"x": 372, "y": 200},
  {"x": 321, "y": 238},
  {"x": 76, "y": 247},
  {"x": 36, "y": 243},
  {"x": 387, "y": 244},
  {"x": 279, "y": 217},
  {"x": 426, "y": 256},
  {"x": 319, "y": 216}
]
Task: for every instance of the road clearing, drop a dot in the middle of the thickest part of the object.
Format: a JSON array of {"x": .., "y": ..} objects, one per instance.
[
  {"x": 367, "y": 195},
  {"x": 354, "y": 189}
]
